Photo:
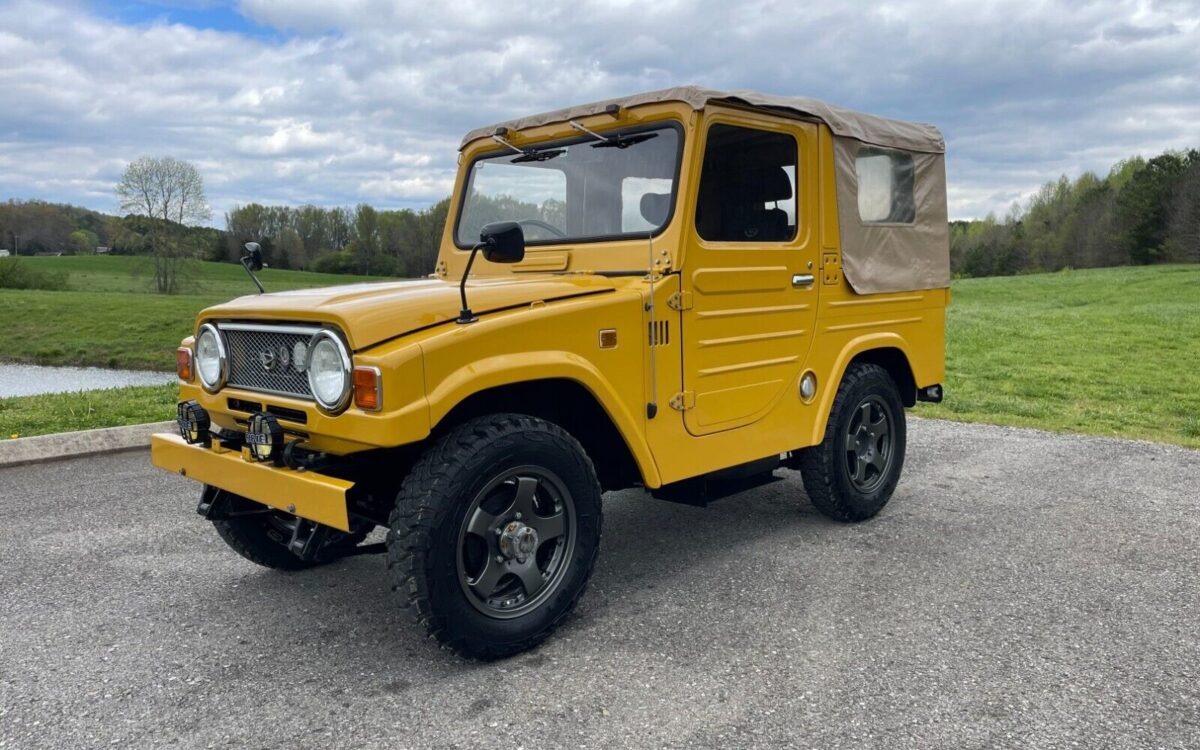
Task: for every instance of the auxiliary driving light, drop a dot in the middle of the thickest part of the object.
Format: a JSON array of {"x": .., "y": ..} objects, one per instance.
[
  {"x": 264, "y": 438},
  {"x": 193, "y": 423}
]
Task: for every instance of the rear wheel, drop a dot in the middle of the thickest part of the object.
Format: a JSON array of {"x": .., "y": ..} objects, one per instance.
[
  {"x": 262, "y": 535},
  {"x": 495, "y": 533},
  {"x": 853, "y": 472}
]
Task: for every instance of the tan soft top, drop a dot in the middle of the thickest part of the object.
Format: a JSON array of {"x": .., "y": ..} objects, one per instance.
[
  {"x": 845, "y": 123},
  {"x": 877, "y": 256}
]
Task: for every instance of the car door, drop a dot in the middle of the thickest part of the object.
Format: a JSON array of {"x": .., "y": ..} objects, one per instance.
[{"x": 748, "y": 302}]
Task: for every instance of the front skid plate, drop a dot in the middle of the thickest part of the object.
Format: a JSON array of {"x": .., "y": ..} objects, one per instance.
[{"x": 307, "y": 494}]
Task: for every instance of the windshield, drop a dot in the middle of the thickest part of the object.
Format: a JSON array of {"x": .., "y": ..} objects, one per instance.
[{"x": 578, "y": 190}]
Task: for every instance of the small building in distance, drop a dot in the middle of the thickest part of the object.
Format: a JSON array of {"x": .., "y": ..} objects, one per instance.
[{"x": 100, "y": 250}]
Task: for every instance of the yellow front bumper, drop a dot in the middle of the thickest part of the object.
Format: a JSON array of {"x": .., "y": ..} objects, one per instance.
[{"x": 306, "y": 494}]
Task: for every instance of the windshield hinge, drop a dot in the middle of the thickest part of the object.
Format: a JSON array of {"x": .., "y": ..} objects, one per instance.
[
  {"x": 680, "y": 301},
  {"x": 683, "y": 401}
]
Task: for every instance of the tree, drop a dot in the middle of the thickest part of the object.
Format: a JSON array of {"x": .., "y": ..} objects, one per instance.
[
  {"x": 290, "y": 247},
  {"x": 366, "y": 239},
  {"x": 1183, "y": 239},
  {"x": 14, "y": 224},
  {"x": 171, "y": 192},
  {"x": 83, "y": 242},
  {"x": 1142, "y": 206}
]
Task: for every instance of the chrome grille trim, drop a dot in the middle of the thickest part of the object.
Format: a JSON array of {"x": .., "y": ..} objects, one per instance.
[
  {"x": 247, "y": 344},
  {"x": 267, "y": 328}
]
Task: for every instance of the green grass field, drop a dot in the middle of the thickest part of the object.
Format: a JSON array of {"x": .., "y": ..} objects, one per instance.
[
  {"x": 1112, "y": 351},
  {"x": 1106, "y": 352},
  {"x": 26, "y": 416},
  {"x": 110, "y": 316}
]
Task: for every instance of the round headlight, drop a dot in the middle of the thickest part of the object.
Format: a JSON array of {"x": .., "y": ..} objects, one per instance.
[
  {"x": 211, "y": 362},
  {"x": 328, "y": 371}
]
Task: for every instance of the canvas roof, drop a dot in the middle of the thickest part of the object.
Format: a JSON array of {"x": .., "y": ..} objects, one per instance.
[{"x": 845, "y": 123}]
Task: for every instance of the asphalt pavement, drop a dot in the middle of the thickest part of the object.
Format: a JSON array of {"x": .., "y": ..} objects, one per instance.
[{"x": 1022, "y": 590}]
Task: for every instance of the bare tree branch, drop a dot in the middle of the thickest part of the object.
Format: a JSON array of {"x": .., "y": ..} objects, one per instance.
[{"x": 167, "y": 190}]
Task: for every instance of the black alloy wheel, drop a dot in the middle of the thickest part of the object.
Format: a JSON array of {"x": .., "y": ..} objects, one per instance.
[
  {"x": 851, "y": 474},
  {"x": 495, "y": 533},
  {"x": 515, "y": 541}
]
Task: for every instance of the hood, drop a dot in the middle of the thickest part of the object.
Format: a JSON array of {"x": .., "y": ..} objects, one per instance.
[{"x": 371, "y": 313}]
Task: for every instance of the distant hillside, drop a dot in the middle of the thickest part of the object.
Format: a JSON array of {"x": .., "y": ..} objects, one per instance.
[
  {"x": 40, "y": 228},
  {"x": 360, "y": 240}
]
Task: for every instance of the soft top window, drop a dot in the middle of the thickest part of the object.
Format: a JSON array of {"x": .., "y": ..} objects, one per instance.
[{"x": 885, "y": 187}]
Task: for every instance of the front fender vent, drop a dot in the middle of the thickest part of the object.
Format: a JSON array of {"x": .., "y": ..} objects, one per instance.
[{"x": 659, "y": 332}]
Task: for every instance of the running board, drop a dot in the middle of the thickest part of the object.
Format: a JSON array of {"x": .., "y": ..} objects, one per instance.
[{"x": 702, "y": 490}]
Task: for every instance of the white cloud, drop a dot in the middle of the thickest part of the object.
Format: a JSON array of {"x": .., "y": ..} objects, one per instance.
[
  {"x": 365, "y": 100},
  {"x": 293, "y": 138}
]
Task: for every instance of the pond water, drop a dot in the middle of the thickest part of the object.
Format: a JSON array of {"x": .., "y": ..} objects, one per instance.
[{"x": 31, "y": 380}]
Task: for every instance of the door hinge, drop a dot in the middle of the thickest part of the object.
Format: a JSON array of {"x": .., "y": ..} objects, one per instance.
[
  {"x": 680, "y": 301},
  {"x": 683, "y": 401}
]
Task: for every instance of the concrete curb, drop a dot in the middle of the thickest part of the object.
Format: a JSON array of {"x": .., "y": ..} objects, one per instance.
[{"x": 32, "y": 450}]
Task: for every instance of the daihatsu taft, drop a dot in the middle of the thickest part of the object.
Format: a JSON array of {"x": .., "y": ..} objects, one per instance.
[{"x": 682, "y": 290}]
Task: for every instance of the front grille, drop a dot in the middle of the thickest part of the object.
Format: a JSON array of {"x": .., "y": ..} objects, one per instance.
[{"x": 262, "y": 358}]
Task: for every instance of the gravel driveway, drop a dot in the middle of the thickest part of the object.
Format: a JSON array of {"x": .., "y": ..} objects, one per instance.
[{"x": 1021, "y": 590}]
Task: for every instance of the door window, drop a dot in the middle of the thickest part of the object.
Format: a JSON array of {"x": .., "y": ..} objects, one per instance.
[{"x": 747, "y": 186}]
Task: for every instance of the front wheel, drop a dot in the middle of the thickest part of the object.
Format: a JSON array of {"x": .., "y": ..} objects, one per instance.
[
  {"x": 495, "y": 533},
  {"x": 852, "y": 473}
]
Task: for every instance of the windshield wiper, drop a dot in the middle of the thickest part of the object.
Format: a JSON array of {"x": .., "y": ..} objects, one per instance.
[
  {"x": 545, "y": 155},
  {"x": 625, "y": 141},
  {"x": 526, "y": 154},
  {"x": 613, "y": 141}
]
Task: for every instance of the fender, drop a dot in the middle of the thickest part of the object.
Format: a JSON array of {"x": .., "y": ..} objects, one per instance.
[
  {"x": 852, "y": 349},
  {"x": 512, "y": 369}
]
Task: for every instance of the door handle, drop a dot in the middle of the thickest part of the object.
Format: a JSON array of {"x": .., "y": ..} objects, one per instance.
[{"x": 802, "y": 279}]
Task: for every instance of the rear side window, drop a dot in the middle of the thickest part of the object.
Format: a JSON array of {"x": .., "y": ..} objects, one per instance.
[{"x": 885, "y": 187}]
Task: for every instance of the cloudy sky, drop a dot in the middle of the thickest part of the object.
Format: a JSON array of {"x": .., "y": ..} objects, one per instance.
[{"x": 336, "y": 103}]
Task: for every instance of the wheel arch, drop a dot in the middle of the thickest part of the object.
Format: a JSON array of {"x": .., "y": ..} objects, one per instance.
[
  {"x": 572, "y": 396},
  {"x": 887, "y": 350}
]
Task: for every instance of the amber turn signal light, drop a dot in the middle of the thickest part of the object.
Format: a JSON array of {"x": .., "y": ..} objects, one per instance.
[
  {"x": 368, "y": 388},
  {"x": 183, "y": 363}
]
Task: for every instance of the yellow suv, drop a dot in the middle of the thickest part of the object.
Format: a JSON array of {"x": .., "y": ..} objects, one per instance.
[{"x": 683, "y": 290}]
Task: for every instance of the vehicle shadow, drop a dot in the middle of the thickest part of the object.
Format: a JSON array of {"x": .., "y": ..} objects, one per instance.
[{"x": 648, "y": 544}]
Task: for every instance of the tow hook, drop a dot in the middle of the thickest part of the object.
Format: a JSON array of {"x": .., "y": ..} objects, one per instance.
[{"x": 309, "y": 539}]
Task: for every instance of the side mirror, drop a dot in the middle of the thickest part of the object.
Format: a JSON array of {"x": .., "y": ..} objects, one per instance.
[
  {"x": 253, "y": 257},
  {"x": 503, "y": 242}
]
